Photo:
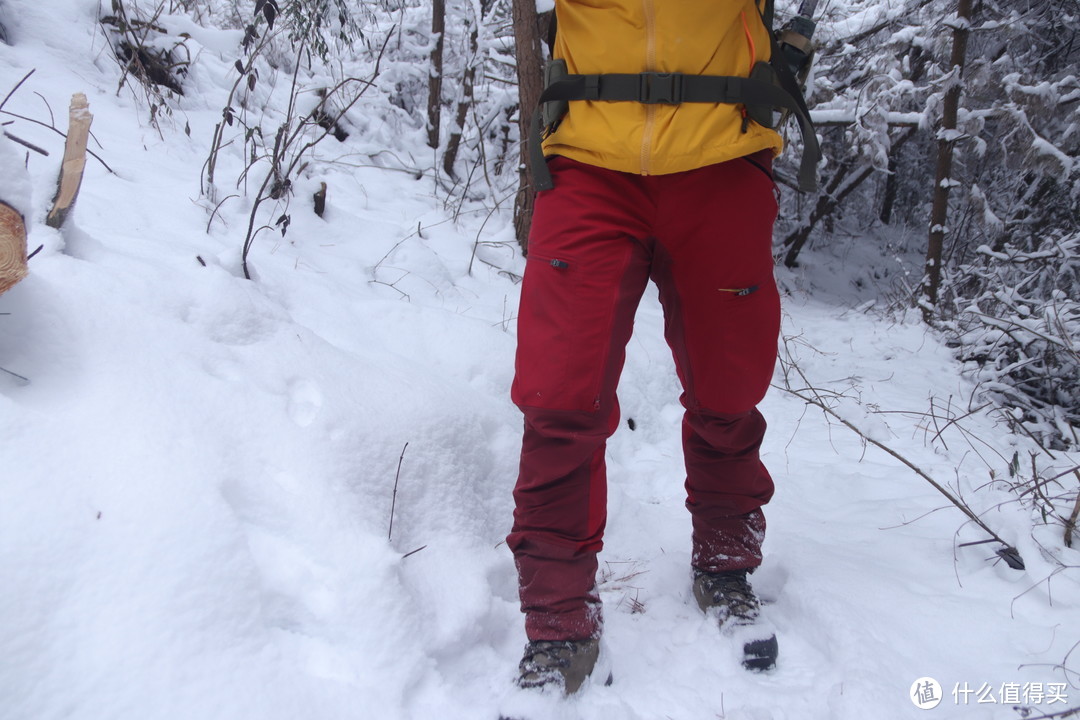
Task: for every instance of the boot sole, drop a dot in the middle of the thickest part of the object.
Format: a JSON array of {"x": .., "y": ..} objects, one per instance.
[{"x": 760, "y": 655}]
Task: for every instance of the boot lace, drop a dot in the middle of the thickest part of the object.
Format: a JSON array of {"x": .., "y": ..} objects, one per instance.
[
  {"x": 545, "y": 661},
  {"x": 730, "y": 593}
]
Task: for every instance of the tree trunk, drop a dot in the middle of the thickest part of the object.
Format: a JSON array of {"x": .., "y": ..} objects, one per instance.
[
  {"x": 529, "y": 55},
  {"x": 891, "y": 187},
  {"x": 435, "y": 73},
  {"x": 826, "y": 203},
  {"x": 836, "y": 191},
  {"x": 468, "y": 80},
  {"x": 943, "y": 178}
]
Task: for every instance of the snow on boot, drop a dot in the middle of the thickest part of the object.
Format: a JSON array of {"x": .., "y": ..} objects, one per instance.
[
  {"x": 558, "y": 664},
  {"x": 729, "y": 596}
]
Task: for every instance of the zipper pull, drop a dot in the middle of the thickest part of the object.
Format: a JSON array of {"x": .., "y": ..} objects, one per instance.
[
  {"x": 559, "y": 264},
  {"x": 740, "y": 292}
]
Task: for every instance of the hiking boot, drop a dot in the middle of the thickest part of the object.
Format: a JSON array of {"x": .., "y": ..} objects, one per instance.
[
  {"x": 729, "y": 593},
  {"x": 563, "y": 664},
  {"x": 729, "y": 596}
]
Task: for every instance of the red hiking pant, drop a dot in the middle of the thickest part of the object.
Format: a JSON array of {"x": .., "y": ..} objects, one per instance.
[{"x": 704, "y": 237}]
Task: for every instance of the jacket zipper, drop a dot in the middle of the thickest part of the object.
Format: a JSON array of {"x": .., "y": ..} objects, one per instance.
[{"x": 650, "y": 66}]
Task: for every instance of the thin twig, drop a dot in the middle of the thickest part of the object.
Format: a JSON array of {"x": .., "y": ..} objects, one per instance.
[
  {"x": 1071, "y": 712},
  {"x": 955, "y": 420},
  {"x": 60, "y": 133},
  {"x": 476, "y": 242},
  {"x": 914, "y": 468},
  {"x": 25, "y": 144},
  {"x": 214, "y": 213},
  {"x": 22, "y": 380},
  {"x": 1007, "y": 552},
  {"x": 413, "y": 552},
  {"x": 393, "y": 501},
  {"x": 1070, "y": 525},
  {"x": 977, "y": 542},
  {"x": 17, "y": 85}
]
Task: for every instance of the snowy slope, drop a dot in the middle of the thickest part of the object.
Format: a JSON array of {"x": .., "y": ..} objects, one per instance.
[{"x": 197, "y": 470}]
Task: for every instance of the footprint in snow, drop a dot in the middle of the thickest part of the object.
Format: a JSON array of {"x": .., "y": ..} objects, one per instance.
[{"x": 305, "y": 401}]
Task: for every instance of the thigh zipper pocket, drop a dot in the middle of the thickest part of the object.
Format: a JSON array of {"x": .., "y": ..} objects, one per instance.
[
  {"x": 553, "y": 262},
  {"x": 739, "y": 292}
]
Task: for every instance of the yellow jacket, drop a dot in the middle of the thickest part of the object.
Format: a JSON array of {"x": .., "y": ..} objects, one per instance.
[{"x": 702, "y": 37}]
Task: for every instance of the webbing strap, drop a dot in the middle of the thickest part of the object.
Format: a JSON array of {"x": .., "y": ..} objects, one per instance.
[
  {"x": 672, "y": 89},
  {"x": 791, "y": 86},
  {"x": 811, "y": 149},
  {"x": 766, "y": 13}
]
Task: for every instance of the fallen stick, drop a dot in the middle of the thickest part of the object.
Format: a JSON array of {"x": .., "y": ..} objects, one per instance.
[{"x": 1006, "y": 552}]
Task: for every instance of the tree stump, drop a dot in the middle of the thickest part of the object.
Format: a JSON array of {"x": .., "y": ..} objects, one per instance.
[
  {"x": 71, "y": 172},
  {"x": 12, "y": 247},
  {"x": 320, "y": 199}
]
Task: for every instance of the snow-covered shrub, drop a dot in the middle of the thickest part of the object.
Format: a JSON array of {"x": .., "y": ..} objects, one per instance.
[
  {"x": 877, "y": 93},
  {"x": 147, "y": 52},
  {"x": 324, "y": 26},
  {"x": 301, "y": 70},
  {"x": 1017, "y": 325},
  {"x": 1011, "y": 302}
]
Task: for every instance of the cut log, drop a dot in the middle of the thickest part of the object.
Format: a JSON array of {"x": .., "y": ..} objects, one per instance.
[
  {"x": 12, "y": 247},
  {"x": 71, "y": 172}
]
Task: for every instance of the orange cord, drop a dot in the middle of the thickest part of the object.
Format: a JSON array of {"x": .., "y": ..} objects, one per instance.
[
  {"x": 749, "y": 39},
  {"x": 753, "y": 59}
]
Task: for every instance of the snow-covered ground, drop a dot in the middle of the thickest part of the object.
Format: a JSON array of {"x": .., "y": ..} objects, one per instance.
[{"x": 198, "y": 471}]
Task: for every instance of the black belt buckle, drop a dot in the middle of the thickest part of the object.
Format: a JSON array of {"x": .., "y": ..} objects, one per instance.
[{"x": 661, "y": 88}]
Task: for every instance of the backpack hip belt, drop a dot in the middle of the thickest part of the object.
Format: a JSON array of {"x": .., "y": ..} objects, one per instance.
[{"x": 760, "y": 94}]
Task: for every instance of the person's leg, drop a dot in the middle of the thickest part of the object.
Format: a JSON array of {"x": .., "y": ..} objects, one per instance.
[
  {"x": 714, "y": 268},
  {"x": 584, "y": 277}
]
